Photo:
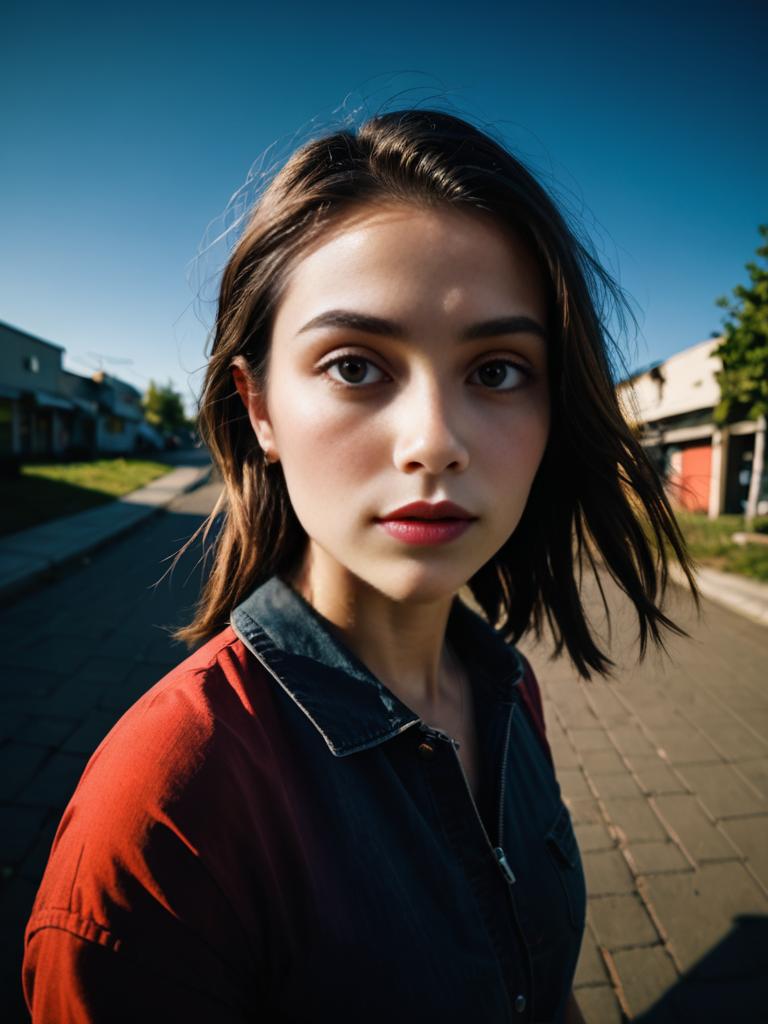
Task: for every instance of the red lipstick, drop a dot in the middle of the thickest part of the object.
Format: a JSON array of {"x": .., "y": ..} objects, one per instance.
[
  {"x": 422, "y": 523},
  {"x": 426, "y": 510}
]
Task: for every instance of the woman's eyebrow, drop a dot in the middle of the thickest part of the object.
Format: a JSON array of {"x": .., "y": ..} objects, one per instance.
[{"x": 389, "y": 328}]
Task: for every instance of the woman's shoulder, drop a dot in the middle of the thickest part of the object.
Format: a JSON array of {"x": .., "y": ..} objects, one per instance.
[
  {"x": 152, "y": 852},
  {"x": 221, "y": 677},
  {"x": 195, "y": 735},
  {"x": 219, "y": 688},
  {"x": 183, "y": 766}
]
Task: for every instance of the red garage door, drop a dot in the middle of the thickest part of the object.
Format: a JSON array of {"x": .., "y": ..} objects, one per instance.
[{"x": 696, "y": 471}]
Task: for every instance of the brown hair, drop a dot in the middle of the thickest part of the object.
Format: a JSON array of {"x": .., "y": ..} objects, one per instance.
[{"x": 595, "y": 496}]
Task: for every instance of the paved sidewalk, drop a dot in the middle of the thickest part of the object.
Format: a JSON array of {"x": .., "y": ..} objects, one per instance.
[
  {"x": 665, "y": 771},
  {"x": 33, "y": 555},
  {"x": 74, "y": 654},
  {"x": 741, "y": 593}
]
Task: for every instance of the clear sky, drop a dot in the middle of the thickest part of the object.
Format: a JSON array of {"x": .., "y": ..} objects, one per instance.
[{"x": 126, "y": 130}]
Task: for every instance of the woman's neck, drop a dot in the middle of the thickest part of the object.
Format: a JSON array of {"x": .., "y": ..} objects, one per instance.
[{"x": 403, "y": 643}]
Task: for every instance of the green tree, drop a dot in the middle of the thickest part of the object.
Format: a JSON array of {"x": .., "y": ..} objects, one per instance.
[
  {"x": 163, "y": 407},
  {"x": 744, "y": 350},
  {"x": 743, "y": 379}
]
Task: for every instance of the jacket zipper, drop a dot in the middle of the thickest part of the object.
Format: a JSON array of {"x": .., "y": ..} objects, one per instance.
[{"x": 498, "y": 851}]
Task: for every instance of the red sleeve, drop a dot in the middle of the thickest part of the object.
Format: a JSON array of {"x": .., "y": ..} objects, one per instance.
[
  {"x": 76, "y": 973},
  {"x": 140, "y": 915},
  {"x": 531, "y": 694}
]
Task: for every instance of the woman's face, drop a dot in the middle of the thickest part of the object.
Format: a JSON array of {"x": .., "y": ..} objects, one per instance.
[{"x": 408, "y": 363}]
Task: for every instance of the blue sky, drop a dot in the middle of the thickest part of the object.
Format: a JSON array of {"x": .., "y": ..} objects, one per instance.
[{"x": 126, "y": 131}]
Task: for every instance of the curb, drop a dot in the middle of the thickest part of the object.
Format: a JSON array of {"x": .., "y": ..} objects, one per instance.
[
  {"x": 36, "y": 556},
  {"x": 740, "y": 594}
]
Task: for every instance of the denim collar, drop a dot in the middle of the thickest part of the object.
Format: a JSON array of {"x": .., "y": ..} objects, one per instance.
[{"x": 345, "y": 702}]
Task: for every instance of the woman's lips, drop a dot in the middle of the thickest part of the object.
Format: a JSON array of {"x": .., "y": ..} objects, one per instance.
[{"x": 425, "y": 531}]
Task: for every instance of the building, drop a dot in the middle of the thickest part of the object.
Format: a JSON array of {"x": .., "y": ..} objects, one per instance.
[
  {"x": 81, "y": 429},
  {"x": 671, "y": 405},
  {"x": 120, "y": 414},
  {"x": 32, "y": 409},
  {"x": 46, "y": 411}
]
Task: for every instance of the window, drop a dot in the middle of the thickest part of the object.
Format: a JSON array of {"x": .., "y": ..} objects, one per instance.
[{"x": 6, "y": 426}]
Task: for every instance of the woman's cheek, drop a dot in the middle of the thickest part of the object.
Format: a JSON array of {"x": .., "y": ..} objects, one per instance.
[{"x": 325, "y": 448}]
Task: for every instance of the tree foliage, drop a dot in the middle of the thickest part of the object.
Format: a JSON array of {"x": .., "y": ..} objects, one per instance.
[
  {"x": 743, "y": 379},
  {"x": 163, "y": 407}
]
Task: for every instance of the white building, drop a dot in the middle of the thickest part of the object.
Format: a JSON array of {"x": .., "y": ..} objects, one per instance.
[
  {"x": 122, "y": 414},
  {"x": 671, "y": 404}
]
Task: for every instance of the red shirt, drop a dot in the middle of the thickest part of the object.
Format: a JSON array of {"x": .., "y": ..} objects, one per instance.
[{"x": 270, "y": 834}]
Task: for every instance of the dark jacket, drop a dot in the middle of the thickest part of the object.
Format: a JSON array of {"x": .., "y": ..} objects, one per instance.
[{"x": 269, "y": 834}]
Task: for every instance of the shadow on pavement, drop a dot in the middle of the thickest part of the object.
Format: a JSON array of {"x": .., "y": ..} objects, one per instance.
[{"x": 729, "y": 984}]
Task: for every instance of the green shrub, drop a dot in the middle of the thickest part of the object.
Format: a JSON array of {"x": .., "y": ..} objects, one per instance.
[{"x": 710, "y": 543}]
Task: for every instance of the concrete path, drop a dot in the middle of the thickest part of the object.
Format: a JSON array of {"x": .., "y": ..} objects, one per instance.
[
  {"x": 37, "y": 554},
  {"x": 75, "y": 653},
  {"x": 744, "y": 595},
  {"x": 665, "y": 770}
]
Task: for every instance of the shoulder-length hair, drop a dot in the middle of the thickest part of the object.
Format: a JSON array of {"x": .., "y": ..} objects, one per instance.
[{"x": 596, "y": 496}]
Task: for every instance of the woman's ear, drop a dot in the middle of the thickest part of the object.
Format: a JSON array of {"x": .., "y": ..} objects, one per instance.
[{"x": 256, "y": 406}]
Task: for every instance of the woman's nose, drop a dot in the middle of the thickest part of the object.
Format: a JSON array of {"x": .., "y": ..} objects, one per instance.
[{"x": 426, "y": 434}]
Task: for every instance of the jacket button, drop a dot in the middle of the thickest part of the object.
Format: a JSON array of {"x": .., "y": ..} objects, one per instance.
[
  {"x": 426, "y": 749},
  {"x": 520, "y": 1003}
]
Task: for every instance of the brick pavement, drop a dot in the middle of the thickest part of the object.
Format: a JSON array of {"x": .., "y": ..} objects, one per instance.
[
  {"x": 665, "y": 770},
  {"x": 74, "y": 655}
]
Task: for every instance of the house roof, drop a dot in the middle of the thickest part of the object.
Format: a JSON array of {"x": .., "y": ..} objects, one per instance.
[{"x": 27, "y": 334}]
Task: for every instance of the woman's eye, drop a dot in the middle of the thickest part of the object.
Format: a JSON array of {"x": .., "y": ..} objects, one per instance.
[
  {"x": 354, "y": 370},
  {"x": 501, "y": 375}
]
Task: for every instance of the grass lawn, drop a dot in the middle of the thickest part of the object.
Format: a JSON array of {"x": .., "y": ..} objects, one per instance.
[
  {"x": 44, "y": 492},
  {"x": 710, "y": 543}
]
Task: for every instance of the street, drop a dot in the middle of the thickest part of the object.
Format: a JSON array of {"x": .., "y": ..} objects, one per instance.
[{"x": 665, "y": 770}]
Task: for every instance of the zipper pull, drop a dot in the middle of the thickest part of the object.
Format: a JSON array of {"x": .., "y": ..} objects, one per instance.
[{"x": 502, "y": 859}]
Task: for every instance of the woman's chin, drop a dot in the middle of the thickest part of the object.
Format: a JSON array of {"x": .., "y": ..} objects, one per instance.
[{"x": 419, "y": 584}]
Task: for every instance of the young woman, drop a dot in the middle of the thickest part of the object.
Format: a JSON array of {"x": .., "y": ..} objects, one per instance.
[{"x": 342, "y": 807}]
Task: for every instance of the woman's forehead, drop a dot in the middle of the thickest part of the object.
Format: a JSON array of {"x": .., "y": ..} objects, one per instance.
[{"x": 436, "y": 260}]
